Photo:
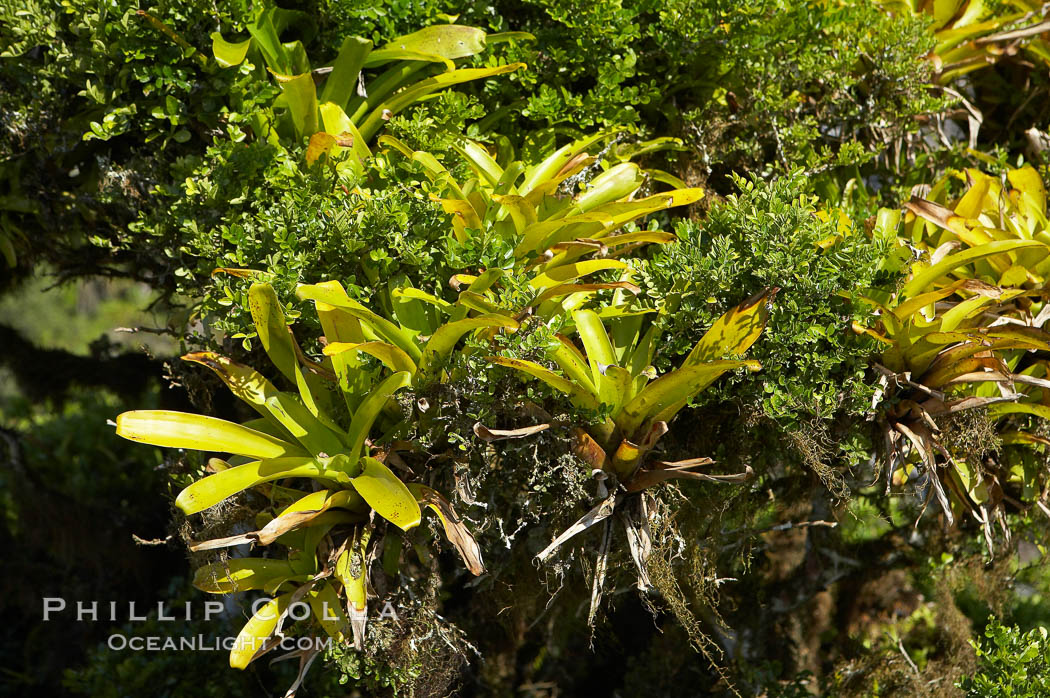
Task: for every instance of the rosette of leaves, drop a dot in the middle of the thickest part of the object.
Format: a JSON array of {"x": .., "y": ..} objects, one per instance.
[
  {"x": 973, "y": 34},
  {"x": 990, "y": 210},
  {"x": 610, "y": 375},
  {"x": 947, "y": 347},
  {"x": 552, "y": 239},
  {"x": 533, "y": 205},
  {"x": 317, "y": 461},
  {"x": 350, "y": 108},
  {"x": 998, "y": 209}
]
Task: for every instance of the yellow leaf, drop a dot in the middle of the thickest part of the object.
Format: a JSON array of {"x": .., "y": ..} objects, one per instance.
[
  {"x": 385, "y": 493},
  {"x": 320, "y": 144},
  {"x": 253, "y": 636}
]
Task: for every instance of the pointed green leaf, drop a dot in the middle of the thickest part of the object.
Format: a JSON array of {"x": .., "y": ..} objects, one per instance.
[
  {"x": 194, "y": 431},
  {"x": 394, "y": 78},
  {"x": 479, "y": 160},
  {"x": 395, "y": 359},
  {"x": 299, "y": 94},
  {"x": 249, "y": 385},
  {"x": 264, "y": 31},
  {"x": 571, "y": 289},
  {"x": 568, "y": 272},
  {"x": 440, "y": 345},
  {"x": 580, "y": 396},
  {"x": 417, "y": 294},
  {"x": 478, "y": 303},
  {"x": 275, "y": 337},
  {"x": 641, "y": 357},
  {"x": 412, "y": 94},
  {"x": 663, "y": 398},
  {"x": 734, "y": 332},
  {"x": 341, "y": 83},
  {"x": 209, "y": 491},
  {"x": 574, "y": 364},
  {"x": 370, "y": 408},
  {"x": 439, "y": 42}
]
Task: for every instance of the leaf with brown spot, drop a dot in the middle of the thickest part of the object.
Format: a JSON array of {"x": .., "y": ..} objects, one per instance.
[
  {"x": 587, "y": 449},
  {"x": 320, "y": 144}
]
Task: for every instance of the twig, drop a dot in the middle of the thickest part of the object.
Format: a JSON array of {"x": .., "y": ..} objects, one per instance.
[
  {"x": 154, "y": 541},
  {"x": 900, "y": 644},
  {"x": 783, "y": 527},
  {"x": 174, "y": 36},
  {"x": 150, "y": 330},
  {"x": 801, "y": 524}
]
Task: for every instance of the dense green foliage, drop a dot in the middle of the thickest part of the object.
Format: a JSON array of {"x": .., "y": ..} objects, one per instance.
[
  {"x": 1011, "y": 663},
  {"x": 768, "y": 236}
]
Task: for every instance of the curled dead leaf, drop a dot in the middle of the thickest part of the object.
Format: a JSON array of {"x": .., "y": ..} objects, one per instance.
[
  {"x": 489, "y": 435},
  {"x": 596, "y": 515},
  {"x": 455, "y": 531},
  {"x": 649, "y": 478},
  {"x": 932, "y": 212}
]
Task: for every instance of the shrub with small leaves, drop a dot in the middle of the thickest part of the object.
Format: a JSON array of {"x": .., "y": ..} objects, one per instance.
[
  {"x": 772, "y": 235},
  {"x": 1011, "y": 663}
]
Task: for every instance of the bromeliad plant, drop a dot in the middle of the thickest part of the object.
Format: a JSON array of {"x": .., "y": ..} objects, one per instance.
[
  {"x": 349, "y": 106},
  {"x": 532, "y": 204},
  {"x": 552, "y": 238},
  {"x": 612, "y": 376},
  {"x": 970, "y": 36},
  {"x": 948, "y": 347},
  {"x": 334, "y": 481},
  {"x": 988, "y": 211},
  {"x": 998, "y": 210}
]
